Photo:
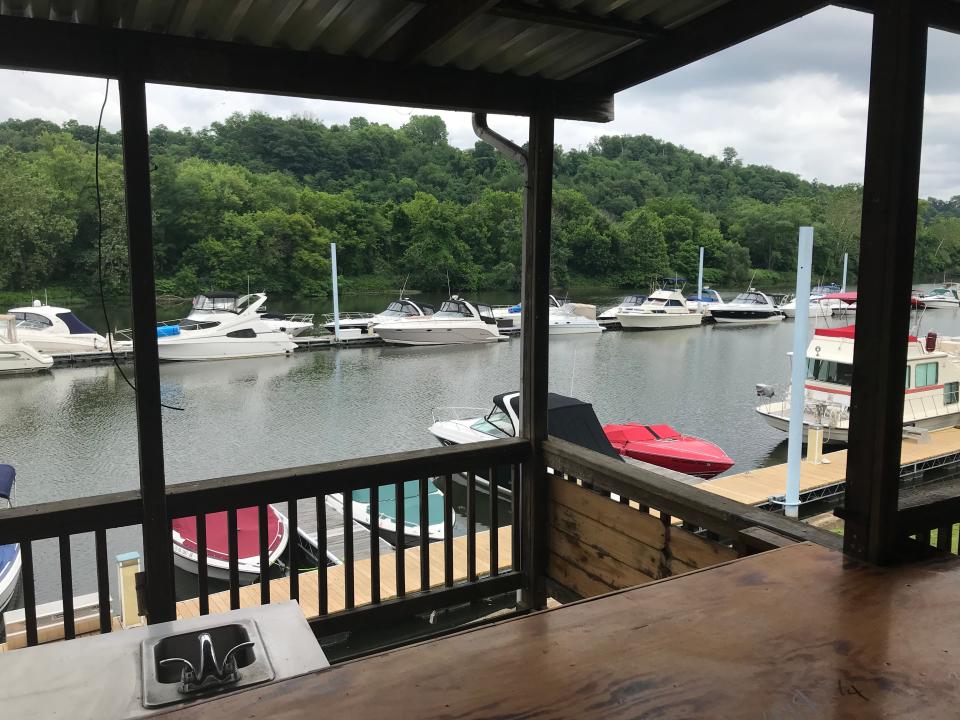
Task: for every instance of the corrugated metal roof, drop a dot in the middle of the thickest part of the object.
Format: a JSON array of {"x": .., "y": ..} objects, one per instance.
[{"x": 552, "y": 39}]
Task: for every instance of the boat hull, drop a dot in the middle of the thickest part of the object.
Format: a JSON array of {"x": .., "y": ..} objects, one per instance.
[
  {"x": 62, "y": 344},
  {"x": 17, "y": 359},
  {"x": 398, "y": 334},
  {"x": 9, "y": 573},
  {"x": 575, "y": 328},
  {"x": 733, "y": 317},
  {"x": 839, "y": 435},
  {"x": 931, "y": 304},
  {"x": 659, "y": 321},
  {"x": 224, "y": 348}
]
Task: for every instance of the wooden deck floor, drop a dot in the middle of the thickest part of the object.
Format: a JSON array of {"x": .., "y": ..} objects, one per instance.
[
  {"x": 336, "y": 581},
  {"x": 757, "y": 486},
  {"x": 794, "y": 633}
]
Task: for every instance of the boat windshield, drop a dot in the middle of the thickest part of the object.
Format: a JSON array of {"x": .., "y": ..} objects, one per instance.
[
  {"x": 496, "y": 424},
  {"x": 32, "y": 321},
  {"x": 453, "y": 309},
  {"x": 400, "y": 309},
  {"x": 829, "y": 371},
  {"x": 750, "y": 298},
  {"x": 215, "y": 303}
]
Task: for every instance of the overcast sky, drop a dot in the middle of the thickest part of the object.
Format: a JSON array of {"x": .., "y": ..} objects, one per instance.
[{"x": 794, "y": 98}]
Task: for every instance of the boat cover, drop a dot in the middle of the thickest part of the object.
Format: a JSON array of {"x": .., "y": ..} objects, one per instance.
[
  {"x": 75, "y": 325},
  {"x": 845, "y": 297},
  {"x": 248, "y": 536},
  {"x": 7, "y": 477},
  {"x": 167, "y": 330},
  {"x": 8, "y": 555},
  {"x": 848, "y": 332},
  {"x": 568, "y": 419}
]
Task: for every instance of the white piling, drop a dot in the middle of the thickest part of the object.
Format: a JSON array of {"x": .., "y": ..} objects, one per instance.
[
  {"x": 798, "y": 374},
  {"x": 336, "y": 292},
  {"x": 700, "y": 283},
  {"x": 846, "y": 256}
]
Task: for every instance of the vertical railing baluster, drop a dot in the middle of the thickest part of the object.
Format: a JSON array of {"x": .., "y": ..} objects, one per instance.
[
  {"x": 233, "y": 554},
  {"x": 494, "y": 522},
  {"x": 291, "y": 549},
  {"x": 348, "y": 599},
  {"x": 424, "y": 537},
  {"x": 263, "y": 543},
  {"x": 515, "y": 534},
  {"x": 66, "y": 587},
  {"x": 322, "y": 605},
  {"x": 375, "y": 544},
  {"x": 448, "y": 530},
  {"x": 103, "y": 580},
  {"x": 203, "y": 584},
  {"x": 471, "y": 527},
  {"x": 399, "y": 492},
  {"x": 29, "y": 591}
]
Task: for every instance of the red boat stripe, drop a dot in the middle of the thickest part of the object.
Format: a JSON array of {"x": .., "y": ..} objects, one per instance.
[{"x": 924, "y": 388}]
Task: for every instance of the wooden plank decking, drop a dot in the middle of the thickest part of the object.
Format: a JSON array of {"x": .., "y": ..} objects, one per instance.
[
  {"x": 309, "y": 588},
  {"x": 307, "y": 524},
  {"x": 757, "y": 486}
]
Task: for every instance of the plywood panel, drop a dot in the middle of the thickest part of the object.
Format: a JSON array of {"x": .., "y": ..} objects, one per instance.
[
  {"x": 641, "y": 526},
  {"x": 596, "y": 562},
  {"x": 575, "y": 578},
  {"x": 697, "y": 551}
]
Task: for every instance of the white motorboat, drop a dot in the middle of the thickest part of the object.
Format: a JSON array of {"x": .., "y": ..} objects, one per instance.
[
  {"x": 846, "y": 304},
  {"x": 510, "y": 316},
  {"x": 664, "y": 309},
  {"x": 399, "y": 309},
  {"x": 458, "y": 322},
  {"x": 748, "y": 308},
  {"x": 222, "y": 328},
  {"x": 608, "y": 318},
  {"x": 940, "y": 298},
  {"x": 818, "y": 307},
  {"x": 52, "y": 329},
  {"x": 18, "y": 357},
  {"x": 706, "y": 301},
  {"x": 219, "y": 305},
  {"x": 387, "y": 511},
  {"x": 9, "y": 554},
  {"x": 564, "y": 318},
  {"x": 932, "y": 385},
  {"x": 293, "y": 324}
]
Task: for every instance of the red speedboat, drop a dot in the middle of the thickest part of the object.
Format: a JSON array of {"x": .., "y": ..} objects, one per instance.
[{"x": 662, "y": 445}]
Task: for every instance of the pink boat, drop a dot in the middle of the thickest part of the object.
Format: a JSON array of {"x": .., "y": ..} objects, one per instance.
[{"x": 663, "y": 446}]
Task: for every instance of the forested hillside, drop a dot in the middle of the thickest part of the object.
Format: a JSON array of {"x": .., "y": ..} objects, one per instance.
[{"x": 261, "y": 198}]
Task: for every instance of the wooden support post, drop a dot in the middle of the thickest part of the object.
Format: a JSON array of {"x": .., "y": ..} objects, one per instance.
[
  {"x": 887, "y": 240},
  {"x": 534, "y": 348},
  {"x": 157, "y": 548}
]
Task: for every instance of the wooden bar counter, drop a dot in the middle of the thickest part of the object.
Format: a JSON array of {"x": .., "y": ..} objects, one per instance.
[{"x": 798, "y": 632}]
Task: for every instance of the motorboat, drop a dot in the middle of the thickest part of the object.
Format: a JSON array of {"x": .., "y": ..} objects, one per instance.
[
  {"x": 18, "y": 357},
  {"x": 185, "y": 543},
  {"x": 663, "y": 446},
  {"x": 401, "y": 308},
  {"x": 705, "y": 301},
  {"x": 222, "y": 327},
  {"x": 567, "y": 418},
  {"x": 931, "y": 392},
  {"x": 387, "y": 511},
  {"x": 847, "y": 303},
  {"x": 458, "y": 322},
  {"x": 10, "y": 553},
  {"x": 52, "y": 329},
  {"x": 221, "y": 305},
  {"x": 608, "y": 318},
  {"x": 293, "y": 324},
  {"x": 511, "y": 316},
  {"x": 939, "y": 299},
  {"x": 564, "y": 318},
  {"x": 818, "y": 307},
  {"x": 663, "y": 310},
  {"x": 749, "y": 308}
]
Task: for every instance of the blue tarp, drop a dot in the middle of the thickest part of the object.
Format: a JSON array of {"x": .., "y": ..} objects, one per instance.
[
  {"x": 7, "y": 476},
  {"x": 168, "y": 330},
  {"x": 514, "y": 309}
]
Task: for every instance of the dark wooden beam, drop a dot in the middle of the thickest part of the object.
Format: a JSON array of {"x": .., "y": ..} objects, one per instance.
[
  {"x": 943, "y": 14},
  {"x": 887, "y": 240},
  {"x": 430, "y": 27},
  {"x": 73, "y": 49},
  {"x": 717, "y": 30},
  {"x": 607, "y": 24},
  {"x": 538, "y": 204},
  {"x": 157, "y": 543}
]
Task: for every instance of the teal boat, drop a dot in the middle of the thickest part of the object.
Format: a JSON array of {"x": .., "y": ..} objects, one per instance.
[{"x": 387, "y": 519}]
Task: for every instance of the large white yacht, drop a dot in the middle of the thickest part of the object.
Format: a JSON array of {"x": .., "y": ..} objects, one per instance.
[
  {"x": 401, "y": 308},
  {"x": 16, "y": 356},
  {"x": 52, "y": 329},
  {"x": 221, "y": 328},
  {"x": 932, "y": 385},
  {"x": 748, "y": 308},
  {"x": 458, "y": 322},
  {"x": 220, "y": 305},
  {"x": 664, "y": 309}
]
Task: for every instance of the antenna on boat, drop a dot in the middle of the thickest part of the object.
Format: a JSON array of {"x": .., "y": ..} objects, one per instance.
[
  {"x": 248, "y": 283},
  {"x": 449, "y": 294},
  {"x": 752, "y": 277},
  {"x": 404, "y": 288}
]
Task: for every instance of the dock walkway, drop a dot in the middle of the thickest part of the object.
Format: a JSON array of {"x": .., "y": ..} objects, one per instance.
[
  {"x": 307, "y": 529},
  {"x": 757, "y": 487}
]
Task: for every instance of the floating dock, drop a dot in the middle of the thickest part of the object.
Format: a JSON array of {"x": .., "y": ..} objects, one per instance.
[
  {"x": 307, "y": 528},
  {"x": 764, "y": 487}
]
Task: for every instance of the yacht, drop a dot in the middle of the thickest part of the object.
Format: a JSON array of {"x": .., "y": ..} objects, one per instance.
[
  {"x": 564, "y": 318},
  {"x": 18, "y": 357},
  {"x": 706, "y": 301},
  {"x": 510, "y": 316},
  {"x": 818, "y": 307},
  {"x": 399, "y": 309},
  {"x": 52, "y": 329},
  {"x": 663, "y": 310},
  {"x": 932, "y": 384},
  {"x": 220, "y": 305},
  {"x": 608, "y": 318},
  {"x": 748, "y": 308},
  {"x": 220, "y": 327},
  {"x": 185, "y": 546},
  {"x": 458, "y": 322},
  {"x": 940, "y": 298},
  {"x": 10, "y": 553}
]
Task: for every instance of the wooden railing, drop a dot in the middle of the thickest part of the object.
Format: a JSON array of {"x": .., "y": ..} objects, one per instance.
[
  {"x": 616, "y": 525},
  {"x": 484, "y": 577}
]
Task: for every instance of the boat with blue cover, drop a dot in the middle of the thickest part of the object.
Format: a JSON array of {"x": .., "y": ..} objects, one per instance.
[
  {"x": 387, "y": 511},
  {"x": 9, "y": 554}
]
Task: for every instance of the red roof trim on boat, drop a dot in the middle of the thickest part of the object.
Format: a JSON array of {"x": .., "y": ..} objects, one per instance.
[{"x": 848, "y": 331}]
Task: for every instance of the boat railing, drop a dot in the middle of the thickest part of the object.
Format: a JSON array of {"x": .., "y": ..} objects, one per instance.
[
  {"x": 299, "y": 317},
  {"x": 360, "y": 592},
  {"x": 445, "y": 414},
  {"x": 328, "y": 317}
]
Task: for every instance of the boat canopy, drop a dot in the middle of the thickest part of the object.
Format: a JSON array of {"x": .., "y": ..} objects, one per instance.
[
  {"x": 848, "y": 332},
  {"x": 75, "y": 325},
  {"x": 568, "y": 419},
  {"x": 7, "y": 477},
  {"x": 844, "y": 297}
]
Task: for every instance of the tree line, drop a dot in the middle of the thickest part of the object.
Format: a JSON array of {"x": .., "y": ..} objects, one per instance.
[{"x": 257, "y": 199}]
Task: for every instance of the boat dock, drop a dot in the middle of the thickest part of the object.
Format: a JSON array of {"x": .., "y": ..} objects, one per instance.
[
  {"x": 336, "y": 578},
  {"x": 307, "y": 528},
  {"x": 764, "y": 487}
]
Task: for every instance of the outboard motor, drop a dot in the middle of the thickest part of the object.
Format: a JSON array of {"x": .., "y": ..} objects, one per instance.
[
  {"x": 931, "y": 341},
  {"x": 765, "y": 390}
]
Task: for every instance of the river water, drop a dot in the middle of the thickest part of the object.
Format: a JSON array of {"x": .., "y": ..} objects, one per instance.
[{"x": 72, "y": 432}]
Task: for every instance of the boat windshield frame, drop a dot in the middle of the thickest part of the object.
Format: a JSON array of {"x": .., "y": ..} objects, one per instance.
[
  {"x": 454, "y": 309},
  {"x": 751, "y": 298},
  {"x": 219, "y": 302}
]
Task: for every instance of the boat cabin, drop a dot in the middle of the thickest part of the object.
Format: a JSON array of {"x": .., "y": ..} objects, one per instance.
[
  {"x": 406, "y": 308},
  {"x": 56, "y": 320},
  {"x": 456, "y": 308}
]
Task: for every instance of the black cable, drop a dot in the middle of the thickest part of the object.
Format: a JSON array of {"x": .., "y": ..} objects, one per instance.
[{"x": 103, "y": 299}]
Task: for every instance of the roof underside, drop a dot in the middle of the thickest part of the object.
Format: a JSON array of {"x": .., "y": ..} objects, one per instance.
[{"x": 565, "y": 57}]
